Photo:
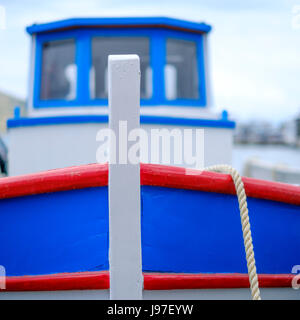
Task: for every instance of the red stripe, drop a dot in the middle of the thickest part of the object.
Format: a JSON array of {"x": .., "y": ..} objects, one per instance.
[
  {"x": 96, "y": 175},
  {"x": 152, "y": 281},
  {"x": 62, "y": 281},
  {"x": 92, "y": 175},
  {"x": 212, "y": 281}
]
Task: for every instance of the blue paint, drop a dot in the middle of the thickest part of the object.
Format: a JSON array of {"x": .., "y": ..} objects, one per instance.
[
  {"x": 83, "y": 39},
  {"x": 17, "y": 112},
  {"x": 161, "y": 47},
  {"x": 84, "y": 62},
  {"x": 224, "y": 115},
  {"x": 145, "y": 119},
  {"x": 28, "y": 122},
  {"x": 132, "y": 21},
  {"x": 182, "y": 231},
  {"x": 54, "y": 233},
  {"x": 190, "y": 231},
  {"x": 209, "y": 123},
  {"x": 201, "y": 72},
  {"x": 158, "y": 53}
]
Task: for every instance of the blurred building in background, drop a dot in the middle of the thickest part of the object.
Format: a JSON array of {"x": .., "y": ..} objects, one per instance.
[
  {"x": 8, "y": 103},
  {"x": 7, "y": 106},
  {"x": 264, "y": 132},
  {"x": 298, "y": 130},
  {"x": 290, "y": 132}
]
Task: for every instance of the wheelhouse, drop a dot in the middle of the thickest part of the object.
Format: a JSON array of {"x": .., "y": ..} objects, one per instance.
[{"x": 69, "y": 68}]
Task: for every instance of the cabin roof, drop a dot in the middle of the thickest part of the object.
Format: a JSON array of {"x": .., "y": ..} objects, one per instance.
[{"x": 133, "y": 22}]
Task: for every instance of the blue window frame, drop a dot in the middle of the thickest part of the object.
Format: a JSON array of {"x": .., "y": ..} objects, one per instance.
[
  {"x": 198, "y": 40},
  {"x": 83, "y": 57},
  {"x": 59, "y": 68}
]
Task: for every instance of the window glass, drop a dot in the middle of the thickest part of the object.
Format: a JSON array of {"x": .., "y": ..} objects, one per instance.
[
  {"x": 181, "y": 71},
  {"x": 104, "y": 46},
  {"x": 59, "y": 71}
]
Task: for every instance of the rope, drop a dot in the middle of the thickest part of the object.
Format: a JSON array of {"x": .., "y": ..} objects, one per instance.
[{"x": 241, "y": 194}]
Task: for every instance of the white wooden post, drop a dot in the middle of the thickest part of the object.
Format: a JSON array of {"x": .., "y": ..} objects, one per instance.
[{"x": 126, "y": 279}]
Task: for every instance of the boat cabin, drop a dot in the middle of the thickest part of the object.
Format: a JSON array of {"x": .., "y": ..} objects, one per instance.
[{"x": 68, "y": 90}]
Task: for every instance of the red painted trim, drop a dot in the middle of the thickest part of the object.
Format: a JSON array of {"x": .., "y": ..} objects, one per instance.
[
  {"x": 62, "y": 281},
  {"x": 212, "y": 281},
  {"x": 152, "y": 281},
  {"x": 96, "y": 175},
  {"x": 92, "y": 175}
]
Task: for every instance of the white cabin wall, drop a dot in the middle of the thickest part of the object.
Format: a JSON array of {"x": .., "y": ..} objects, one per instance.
[
  {"x": 160, "y": 110},
  {"x": 38, "y": 148},
  {"x": 218, "y": 146}
]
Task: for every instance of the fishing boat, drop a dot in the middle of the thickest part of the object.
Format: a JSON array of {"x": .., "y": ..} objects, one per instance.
[{"x": 74, "y": 229}]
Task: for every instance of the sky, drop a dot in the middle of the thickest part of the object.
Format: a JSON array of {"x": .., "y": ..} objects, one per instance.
[{"x": 254, "y": 47}]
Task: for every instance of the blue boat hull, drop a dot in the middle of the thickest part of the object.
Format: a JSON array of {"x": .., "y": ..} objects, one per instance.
[{"x": 183, "y": 231}]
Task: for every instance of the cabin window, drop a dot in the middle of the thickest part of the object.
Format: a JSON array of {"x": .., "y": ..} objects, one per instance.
[
  {"x": 59, "y": 71},
  {"x": 181, "y": 71},
  {"x": 104, "y": 46}
]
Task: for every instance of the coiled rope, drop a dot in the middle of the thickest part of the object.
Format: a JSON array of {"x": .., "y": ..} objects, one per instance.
[{"x": 241, "y": 194}]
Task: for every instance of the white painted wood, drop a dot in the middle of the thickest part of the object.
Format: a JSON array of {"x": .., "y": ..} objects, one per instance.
[
  {"x": 157, "y": 110},
  {"x": 222, "y": 294},
  {"x": 196, "y": 294},
  {"x": 126, "y": 279},
  {"x": 55, "y": 295},
  {"x": 38, "y": 148}
]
